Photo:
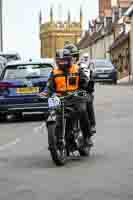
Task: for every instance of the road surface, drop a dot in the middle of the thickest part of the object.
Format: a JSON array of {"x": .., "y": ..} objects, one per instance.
[{"x": 27, "y": 172}]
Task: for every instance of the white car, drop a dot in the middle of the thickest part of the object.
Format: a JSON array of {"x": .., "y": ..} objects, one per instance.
[{"x": 10, "y": 55}]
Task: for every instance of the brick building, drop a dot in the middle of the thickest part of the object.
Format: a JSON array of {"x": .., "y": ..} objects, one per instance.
[{"x": 105, "y": 6}]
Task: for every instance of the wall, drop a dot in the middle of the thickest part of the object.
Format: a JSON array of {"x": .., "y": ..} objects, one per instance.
[
  {"x": 120, "y": 57},
  {"x": 101, "y": 47},
  {"x": 131, "y": 47}
]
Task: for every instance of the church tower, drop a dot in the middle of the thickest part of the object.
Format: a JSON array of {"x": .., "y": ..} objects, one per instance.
[
  {"x": 55, "y": 34},
  {"x": 51, "y": 15}
]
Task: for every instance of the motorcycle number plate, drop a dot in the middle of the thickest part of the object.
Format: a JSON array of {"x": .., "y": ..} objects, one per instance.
[{"x": 53, "y": 102}]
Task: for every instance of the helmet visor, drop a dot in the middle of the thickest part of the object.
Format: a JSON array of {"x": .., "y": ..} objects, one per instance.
[{"x": 64, "y": 62}]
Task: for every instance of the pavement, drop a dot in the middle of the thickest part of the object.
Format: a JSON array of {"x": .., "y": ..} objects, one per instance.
[
  {"x": 27, "y": 172},
  {"x": 128, "y": 80}
]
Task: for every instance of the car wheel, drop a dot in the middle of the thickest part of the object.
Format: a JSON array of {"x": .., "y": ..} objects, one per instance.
[
  {"x": 3, "y": 117},
  {"x": 19, "y": 116}
]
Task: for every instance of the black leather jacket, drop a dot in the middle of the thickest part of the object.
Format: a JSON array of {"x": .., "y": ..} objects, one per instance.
[{"x": 87, "y": 83}]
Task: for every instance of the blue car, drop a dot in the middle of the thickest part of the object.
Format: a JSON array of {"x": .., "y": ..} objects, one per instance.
[{"x": 20, "y": 84}]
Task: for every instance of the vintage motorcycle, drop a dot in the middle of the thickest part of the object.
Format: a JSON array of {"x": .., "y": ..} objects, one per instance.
[{"x": 72, "y": 134}]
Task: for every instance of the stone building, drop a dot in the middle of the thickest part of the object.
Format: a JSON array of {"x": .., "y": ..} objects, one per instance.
[
  {"x": 55, "y": 34},
  {"x": 111, "y": 39},
  {"x": 105, "y": 8},
  {"x": 97, "y": 45},
  {"x": 120, "y": 54}
]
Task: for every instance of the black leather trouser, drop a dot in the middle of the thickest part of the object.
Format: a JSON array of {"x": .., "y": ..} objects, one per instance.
[
  {"x": 80, "y": 112},
  {"x": 90, "y": 110}
]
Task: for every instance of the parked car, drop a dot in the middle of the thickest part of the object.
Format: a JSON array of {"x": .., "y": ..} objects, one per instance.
[
  {"x": 10, "y": 56},
  {"x": 2, "y": 64},
  {"x": 20, "y": 84},
  {"x": 104, "y": 71}
]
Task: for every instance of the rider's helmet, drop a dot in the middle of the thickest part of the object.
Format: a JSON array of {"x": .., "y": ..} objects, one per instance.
[
  {"x": 81, "y": 60},
  {"x": 63, "y": 58},
  {"x": 86, "y": 57},
  {"x": 73, "y": 50}
]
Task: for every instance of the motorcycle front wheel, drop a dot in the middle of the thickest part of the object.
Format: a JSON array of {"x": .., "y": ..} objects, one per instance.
[{"x": 59, "y": 156}]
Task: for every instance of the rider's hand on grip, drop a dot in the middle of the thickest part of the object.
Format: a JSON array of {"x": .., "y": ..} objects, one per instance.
[{"x": 43, "y": 95}]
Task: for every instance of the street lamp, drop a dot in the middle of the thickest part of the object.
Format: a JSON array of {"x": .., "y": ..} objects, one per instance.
[{"x": 1, "y": 25}]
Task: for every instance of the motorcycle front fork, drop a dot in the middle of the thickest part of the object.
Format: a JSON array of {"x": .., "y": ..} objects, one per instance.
[{"x": 63, "y": 124}]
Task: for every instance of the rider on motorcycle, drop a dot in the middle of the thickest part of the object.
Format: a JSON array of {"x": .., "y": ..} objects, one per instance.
[
  {"x": 68, "y": 77},
  {"x": 85, "y": 67}
]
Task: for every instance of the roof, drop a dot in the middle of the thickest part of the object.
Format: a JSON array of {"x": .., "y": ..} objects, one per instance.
[
  {"x": 83, "y": 43},
  {"x": 30, "y": 61},
  {"x": 89, "y": 40},
  {"x": 119, "y": 40}
]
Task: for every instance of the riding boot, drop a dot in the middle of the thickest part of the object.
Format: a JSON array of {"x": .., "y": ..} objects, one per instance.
[
  {"x": 59, "y": 132},
  {"x": 91, "y": 115}
]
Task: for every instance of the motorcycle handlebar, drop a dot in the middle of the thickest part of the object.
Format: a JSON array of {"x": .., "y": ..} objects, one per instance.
[
  {"x": 70, "y": 95},
  {"x": 74, "y": 94}
]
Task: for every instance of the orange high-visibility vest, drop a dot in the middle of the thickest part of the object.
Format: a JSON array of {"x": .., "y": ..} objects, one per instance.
[{"x": 67, "y": 83}]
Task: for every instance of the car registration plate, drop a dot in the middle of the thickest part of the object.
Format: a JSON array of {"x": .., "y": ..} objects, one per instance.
[
  {"x": 103, "y": 75},
  {"x": 28, "y": 90}
]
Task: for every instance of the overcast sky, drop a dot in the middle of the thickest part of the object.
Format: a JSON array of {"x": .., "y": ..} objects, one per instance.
[{"x": 20, "y": 19}]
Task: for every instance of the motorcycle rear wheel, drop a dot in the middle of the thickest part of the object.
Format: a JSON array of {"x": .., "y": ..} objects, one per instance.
[
  {"x": 83, "y": 150},
  {"x": 59, "y": 157}
]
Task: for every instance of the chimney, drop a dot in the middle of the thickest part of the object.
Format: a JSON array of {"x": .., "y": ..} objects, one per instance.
[
  {"x": 105, "y": 22},
  {"x": 120, "y": 12},
  {"x": 115, "y": 14}
]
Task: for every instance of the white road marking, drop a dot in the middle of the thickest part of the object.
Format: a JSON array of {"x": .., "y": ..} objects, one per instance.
[{"x": 10, "y": 144}]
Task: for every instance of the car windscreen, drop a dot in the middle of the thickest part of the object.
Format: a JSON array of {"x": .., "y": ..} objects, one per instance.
[
  {"x": 103, "y": 64},
  {"x": 26, "y": 71}
]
